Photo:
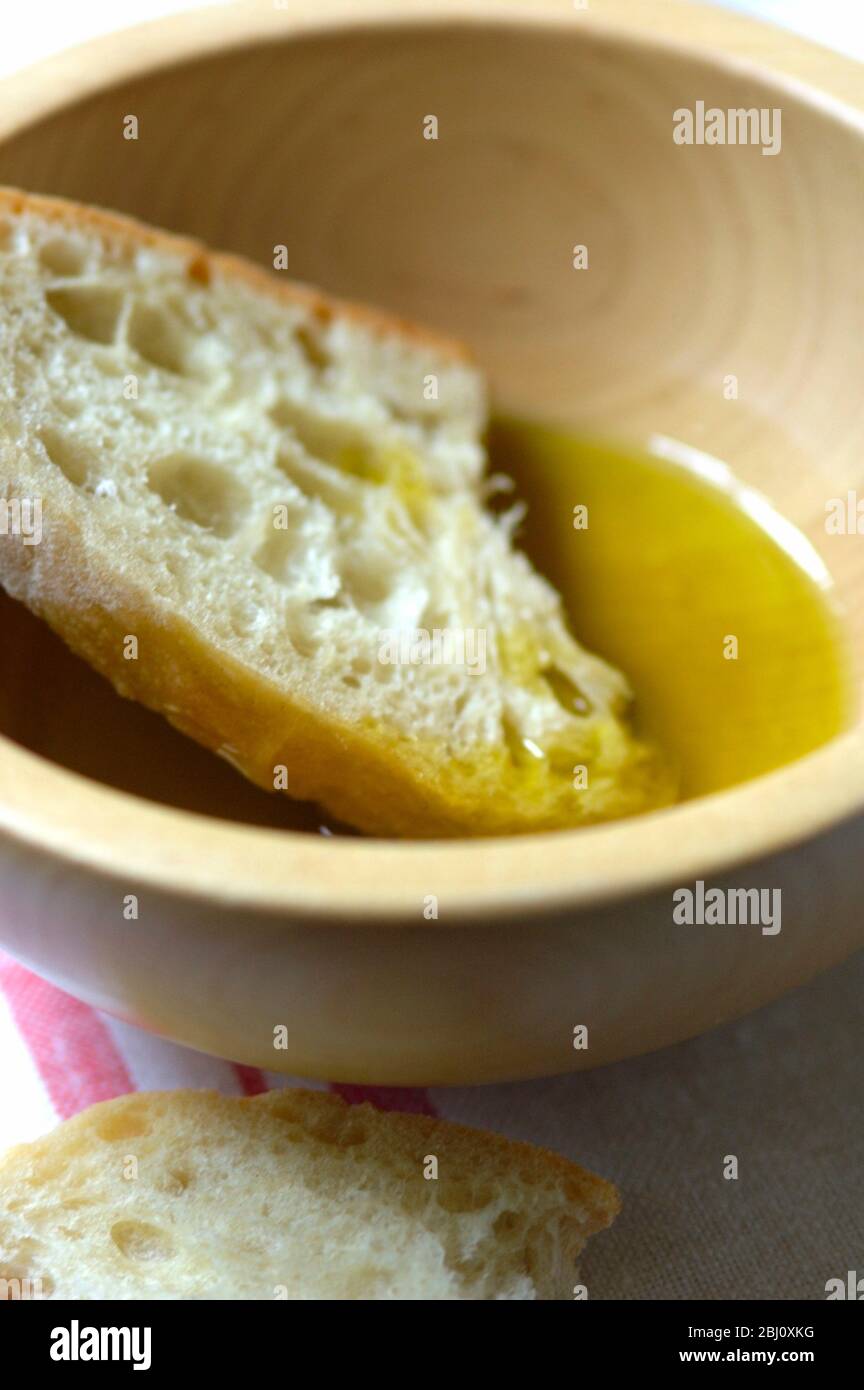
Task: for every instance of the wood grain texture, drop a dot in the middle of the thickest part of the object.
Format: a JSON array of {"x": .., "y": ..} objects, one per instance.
[{"x": 303, "y": 126}]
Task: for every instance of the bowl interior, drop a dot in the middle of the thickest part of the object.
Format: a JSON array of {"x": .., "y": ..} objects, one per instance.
[{"x": 706, "y": 265}]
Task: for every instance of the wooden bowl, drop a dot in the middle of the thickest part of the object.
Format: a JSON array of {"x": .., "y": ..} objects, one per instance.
[{"x": 261, "y": 125}]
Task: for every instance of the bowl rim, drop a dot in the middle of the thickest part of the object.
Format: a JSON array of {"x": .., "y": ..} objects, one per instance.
[
  {"x": 56, "y": 813},
  {"x": 125, "y": 838}
]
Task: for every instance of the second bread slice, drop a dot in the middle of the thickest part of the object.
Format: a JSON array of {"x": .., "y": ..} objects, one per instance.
[{"x": 192, "y": 1195}]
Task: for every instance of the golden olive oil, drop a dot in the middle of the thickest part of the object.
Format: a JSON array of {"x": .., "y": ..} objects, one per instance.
[{"x": 717, "y": 609}]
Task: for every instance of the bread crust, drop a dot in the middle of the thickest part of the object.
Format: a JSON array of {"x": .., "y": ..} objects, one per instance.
[
  {"x": 478, "y": 1149},
  {"x": 202, "y": 264},
  {"x": 599, "y": 1198}
]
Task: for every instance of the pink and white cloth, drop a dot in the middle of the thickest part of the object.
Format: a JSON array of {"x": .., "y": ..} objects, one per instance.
[{"x": 59, "y": 1056}]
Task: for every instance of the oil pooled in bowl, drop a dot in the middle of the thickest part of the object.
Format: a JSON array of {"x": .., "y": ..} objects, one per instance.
[{"x": 719, "y": 610}]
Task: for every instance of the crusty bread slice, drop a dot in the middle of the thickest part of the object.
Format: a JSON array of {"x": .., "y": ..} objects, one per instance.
[
  {"x": 191, "y": 1195},
  {"x": 276, "y": 495}
]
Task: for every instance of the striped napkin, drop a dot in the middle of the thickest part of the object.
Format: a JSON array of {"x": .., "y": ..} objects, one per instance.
[{"x": 59, "y": 1056}]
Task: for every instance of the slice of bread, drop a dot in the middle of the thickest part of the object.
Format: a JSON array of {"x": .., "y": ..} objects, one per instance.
[
  {"x": 191, "y": 1195},
  {"x": 258, "y": 508}
]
